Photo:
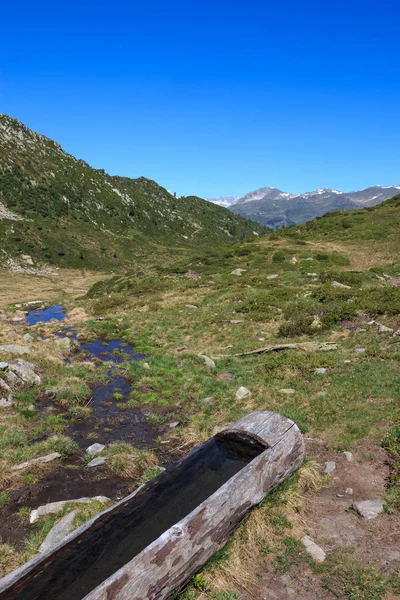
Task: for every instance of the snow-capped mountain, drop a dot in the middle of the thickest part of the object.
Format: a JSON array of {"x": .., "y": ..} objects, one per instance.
[{"x": 275, "y": 208}]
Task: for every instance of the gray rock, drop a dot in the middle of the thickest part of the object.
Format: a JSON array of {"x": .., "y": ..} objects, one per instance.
[
  {"x": 146, "y": 365},
  {"x": 359, "y": 350},
  {"x": 34, "y": 461},
  {"x": 369, "y": 509},
  {"x": 55, "y": 507},
  {"x": 384, "y": 329},
  {"x": 330, "y": 466},
  {"x": 322, "y": 394},
  {"x": 59, "y": 531},
  {"x": 191, "y": 306},
  {"x": 15, "y": 349},
  {"x": 24, "y": 371},
  {"x": 236, "y": 321},
  {"x": 242, "y": 393},
  {"x": 64, "y": 344},
  {"x": 336, "y": 284},
  {"x": 347, "y": 361},
  {"x": 287, "y": 391},
  {"x": 173, "y": 425},
  {"x": 348, "y": 456},
  {"x": 28, "y": 337},
  {"x": 274, "y": 276},
  {"x": 293, "y": 260},
  {"x": 313, "y": 549},
  {"x": 95, "y": 449},
  {"x": 238, "y": 271},
  {"x": 321, "y": 371},
  {"x": 349, "y": 491},
  {"x": 6, "y": 402},
  {"x": 3, "y": 366},
  {"x": 97, "y": 462},
  {"x": 209, "y": 362},
  {"x": 360, "y": 330}
]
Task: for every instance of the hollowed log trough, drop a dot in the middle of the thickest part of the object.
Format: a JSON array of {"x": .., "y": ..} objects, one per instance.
[{"x": 148, "y": 545}]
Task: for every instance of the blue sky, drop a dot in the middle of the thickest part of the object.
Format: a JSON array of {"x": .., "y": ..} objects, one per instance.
[{"x": 212, "y": 97}]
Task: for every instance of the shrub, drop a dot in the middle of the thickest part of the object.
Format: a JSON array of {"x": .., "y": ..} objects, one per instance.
[{"x": 278, "y": 257}]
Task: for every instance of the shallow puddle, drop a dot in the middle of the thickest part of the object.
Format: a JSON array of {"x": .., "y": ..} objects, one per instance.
[
  {"x": 45, "y": 315},
  {"x": 115, "y": 351}
]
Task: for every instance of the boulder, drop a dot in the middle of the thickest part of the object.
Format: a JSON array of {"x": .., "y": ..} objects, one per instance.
[
  {"x": 95, "y": 449},
  {"x": 55, "y": 507},
  {"x": 242, "y": 393},
  {"x": 15, "y": 349},
  {"x": 97, "y": 462},
  {"x": 34, "y": 461},
  {"x": 238, "y": 271},
  {"x": 369, "y": 509},
  {"x": 24, "y": 371},
  {"x": 336, "y": 284},
  {"x": 59, "y": 531},
  {"x": 3, "y": 366},
  {"x": 330, "y": 466},
  {"x": 209, "y": 362},
  {"x": 313, "y": 549}
]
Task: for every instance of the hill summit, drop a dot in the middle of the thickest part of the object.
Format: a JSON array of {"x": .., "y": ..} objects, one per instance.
[{"x": 57, "y": 209}]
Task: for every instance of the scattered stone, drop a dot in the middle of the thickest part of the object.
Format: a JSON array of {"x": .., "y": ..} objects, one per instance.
[
  {"x": 97, "y": 462},
  {"x": 330, "y": 466},
  {"x": 64, "y": 344},
  {"x": 55, "y": 507},
  {"x": 288, "y": 391},
  {"x": 371, "y": 322},
  {"x": 322, "y": 394},
  {"x": 3, "y": 366},
  {"x": 59, "y": 531},
  {"x": 274, "y": 276},
  {"x": 348, "y": 456},
  {"x": 6, "y": 402},
  {"x": 321, "y": 371},
  {"x": 236, "y": 321},
  {"x": 208, "y": 400},
  {"x": 347, "y": 361},
  {"x": 313, "y": 549},
  {"x": 173, "y": 425},
  {"x": 146, "y": 365},
  {"x": 34, "y": 461},
  {"x": 336, "y": 284},
  {"x": 294, "y": 260},
  {"x": 384, "y": 329},
  {"x": 359, "y": 350},
  {"x": 349, "y": 491},
  {"x": 209, "y": 362},
  {"x": 28, "y": 337},
  {"x": 360, "y": 330},
  {"x": 312, "y": 274},
  {"x": 238, "y": 271},
  {"x": 369, "y": 509},
  {"x": 24, "y": 371},
  {"x": 15, "y": 349},
  {"x": 242, "y": 393},
  {"x": 191, "y": 306},
  {"x": 95, "y": 449}
]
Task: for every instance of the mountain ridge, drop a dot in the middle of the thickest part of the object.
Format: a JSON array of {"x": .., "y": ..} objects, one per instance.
[
  {"x": 57, "y": 209},
  {"x": 274, "y": 208}
]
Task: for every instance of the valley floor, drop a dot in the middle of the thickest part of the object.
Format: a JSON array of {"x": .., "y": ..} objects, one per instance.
[{"x": 146, "y": 394}]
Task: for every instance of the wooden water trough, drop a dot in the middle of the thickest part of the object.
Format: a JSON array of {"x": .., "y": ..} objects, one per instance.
[{"x": 148, "y": 545}]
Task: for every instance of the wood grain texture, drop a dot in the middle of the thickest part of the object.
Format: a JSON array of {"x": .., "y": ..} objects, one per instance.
[{"x": 164, "y": 567}]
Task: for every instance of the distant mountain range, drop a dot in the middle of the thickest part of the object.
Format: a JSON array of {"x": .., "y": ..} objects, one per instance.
[{"x": 274, "y": 208}]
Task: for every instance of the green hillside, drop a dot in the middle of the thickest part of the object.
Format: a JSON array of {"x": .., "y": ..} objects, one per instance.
[{"x": 58, "y": 210}]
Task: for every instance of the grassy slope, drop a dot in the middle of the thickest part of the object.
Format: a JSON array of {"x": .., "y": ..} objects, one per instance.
[{"x": 76, "y": 216}]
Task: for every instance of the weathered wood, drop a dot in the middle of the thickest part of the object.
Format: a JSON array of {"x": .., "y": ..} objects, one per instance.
[
  {"x": 307, "y": 346},
  {"x": 164, "y": 566}
]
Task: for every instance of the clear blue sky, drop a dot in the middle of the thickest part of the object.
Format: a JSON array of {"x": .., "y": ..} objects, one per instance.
[{"x": 212, "y": 97}]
